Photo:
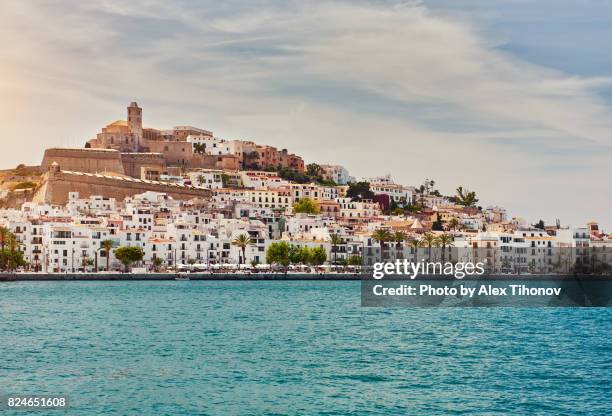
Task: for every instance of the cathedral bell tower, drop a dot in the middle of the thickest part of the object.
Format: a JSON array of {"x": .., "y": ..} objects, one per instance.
[{"x": 134, "y": 122}]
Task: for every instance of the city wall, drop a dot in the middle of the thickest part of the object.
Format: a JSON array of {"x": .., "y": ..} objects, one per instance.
[
  {"x": 58, "y": 184},
  {"x": 84, "y": 160}
]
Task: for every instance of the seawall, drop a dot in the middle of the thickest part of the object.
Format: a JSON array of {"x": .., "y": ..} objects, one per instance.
[{"x": 8, "y": 277}]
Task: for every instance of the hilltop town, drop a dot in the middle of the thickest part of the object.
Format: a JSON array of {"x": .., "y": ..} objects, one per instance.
[{"x": 184, "y": 198}]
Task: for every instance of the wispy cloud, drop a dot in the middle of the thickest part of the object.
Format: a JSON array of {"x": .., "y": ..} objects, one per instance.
[{"x": 383, "y": 86}]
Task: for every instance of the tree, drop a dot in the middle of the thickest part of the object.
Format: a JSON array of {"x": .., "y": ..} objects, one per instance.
[
  {"x": 454, "y": 224},
  {"x": 335, "y": 241},
  {"x": 444, "y": 240},
  {"x": 107, "y": 246},
  {"x": 414, "y": 208},
  {"x": 354, "y": 260},
  {"x": 87, "y": 262},
  {"x": 428, "y": 240},
  {"x": 399, "y": 237},
  {"x": 428, "y": 186},
  {"x": 297, "y": 254},
  {"x": 11, "y": 259},
  {"x": 199, "y": 148},
  {"x": 382, "y": 236},
  {"x": 465, "y": 197},
  {"x": 5, "y": 235},
  {"x": 292, "y": 175},
  {"x": 358, "y": 191},
  {"x": 242, "y": 241},
  {"x": 437, "y": 225},
  {"x": 157, "y": 262},
  {"x": 128, "y": 255},
  {"x": 306, "y": 206},
  {"x": 225, "y": 180},
  {"x": 250, "y": 160},
  {"x": 540, "y": 225},
  {"x": 278, "y": 253},
  {"x": 10, "y": 255},
  {"x": 314, "y": 171},
  {"x": 393, "y": 207},
  {"x": 317, "y": 256},
  {"x": 415, "y": 244},
  {"x": 327, "y": 182}
]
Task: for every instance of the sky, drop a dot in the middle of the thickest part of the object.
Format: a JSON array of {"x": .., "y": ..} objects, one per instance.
[{"x": 511, "y": 99}]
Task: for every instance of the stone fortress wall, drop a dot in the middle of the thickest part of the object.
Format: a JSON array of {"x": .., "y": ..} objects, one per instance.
[
  {"x": 59, "y": 183},
  {"x": 102, "y": 160},
  {"x": 84, "y": 160}
]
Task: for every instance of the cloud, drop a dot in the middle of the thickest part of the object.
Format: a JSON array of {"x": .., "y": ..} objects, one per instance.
[{"x": 381, "y": 86}]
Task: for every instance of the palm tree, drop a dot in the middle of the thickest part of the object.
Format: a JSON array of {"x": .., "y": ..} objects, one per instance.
[
  {"x": 399, "y": 236},
  {"x": 382, "y": 236},
  {"x": 445, "y": 240},
  {"x": 428, "y": 240},
  {"x": 415, "y": 244},
  {"x": 465, "y": 197},
  {"x": 335, "y": 240},
  {"x": 107, "y": 246},
  {"x": 242, "y": 241},
  {"x": 453, "y": 224}
]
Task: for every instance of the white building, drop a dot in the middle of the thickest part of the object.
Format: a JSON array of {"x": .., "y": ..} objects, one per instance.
[
  {"x": 336, "y": 173},
  {"x": 206, "y": 178}
]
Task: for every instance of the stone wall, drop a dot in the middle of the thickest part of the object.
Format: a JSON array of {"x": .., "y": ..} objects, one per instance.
[
  {"x": 84, "y": 160},
  {"x": 58, "y": 183},
  {"x": 133, "y": 162},
  {"x": 180, "y": 153},
  {"x": 176, "y": 153}
]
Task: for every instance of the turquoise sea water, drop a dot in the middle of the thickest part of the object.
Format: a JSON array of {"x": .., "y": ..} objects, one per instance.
[{"x": 225, "y": 348}]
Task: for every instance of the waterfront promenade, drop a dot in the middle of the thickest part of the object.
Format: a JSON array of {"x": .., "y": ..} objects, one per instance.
[
  {"x": 7, "y": 277},
  {"x": 172, "y": 276}
]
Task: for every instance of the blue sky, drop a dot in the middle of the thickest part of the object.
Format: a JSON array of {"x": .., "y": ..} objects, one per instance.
[{"x": 512, "y": 99}]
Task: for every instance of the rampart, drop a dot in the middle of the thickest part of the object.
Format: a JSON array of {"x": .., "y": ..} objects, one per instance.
[
  {"x": 58, "y": 183},
  {"x": 84, "y": 160}
]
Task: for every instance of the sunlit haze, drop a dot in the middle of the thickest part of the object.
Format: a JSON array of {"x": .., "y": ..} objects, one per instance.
[{"x": 512, "y": 102}]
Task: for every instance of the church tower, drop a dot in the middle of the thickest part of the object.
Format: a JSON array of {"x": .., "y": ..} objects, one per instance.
[{"x": 134, "y": 122}]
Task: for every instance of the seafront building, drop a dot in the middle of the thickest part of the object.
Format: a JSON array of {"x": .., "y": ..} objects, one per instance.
[{"x": 69, "y": 238}]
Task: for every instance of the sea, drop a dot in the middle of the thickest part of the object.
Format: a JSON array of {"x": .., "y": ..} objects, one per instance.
[{"x": 293, "y": 348}]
